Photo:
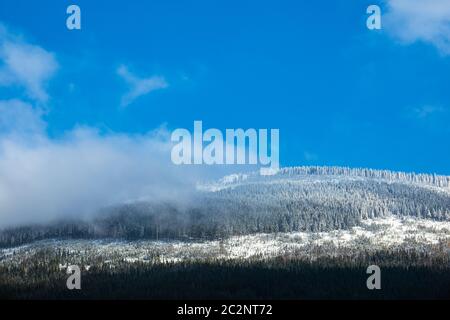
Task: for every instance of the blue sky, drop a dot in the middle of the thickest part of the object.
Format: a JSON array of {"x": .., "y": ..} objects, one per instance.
[{"x": 339, "y": 93}]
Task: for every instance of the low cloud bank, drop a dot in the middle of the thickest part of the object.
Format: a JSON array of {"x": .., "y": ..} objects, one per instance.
[{"x": 44, "y": 179}]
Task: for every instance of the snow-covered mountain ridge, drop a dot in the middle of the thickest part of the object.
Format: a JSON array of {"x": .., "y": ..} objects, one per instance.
[
  {"x": 303, "y": 199},
  {"x": 336, "y": 174}
]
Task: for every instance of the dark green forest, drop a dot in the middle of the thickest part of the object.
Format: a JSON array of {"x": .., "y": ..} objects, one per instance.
[{"x": 421, "y": 276}]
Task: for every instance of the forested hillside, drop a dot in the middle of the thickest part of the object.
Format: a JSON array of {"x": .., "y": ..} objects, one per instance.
[{"x": 296, "y": 199}]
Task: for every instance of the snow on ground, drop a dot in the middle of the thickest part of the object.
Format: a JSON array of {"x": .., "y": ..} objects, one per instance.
[{"x": 373, "y": 234}]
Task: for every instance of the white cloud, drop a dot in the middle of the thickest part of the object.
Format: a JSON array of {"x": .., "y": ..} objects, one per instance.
[
  {"x": 420, "y": 20},
  {"x": 25, "y": 65},
  {"x": 139, "y": 86},
  {"x": 43, "y": 179}
]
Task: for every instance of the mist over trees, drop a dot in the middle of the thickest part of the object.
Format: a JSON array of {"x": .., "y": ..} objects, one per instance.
[{"x": 296, "y": 199}]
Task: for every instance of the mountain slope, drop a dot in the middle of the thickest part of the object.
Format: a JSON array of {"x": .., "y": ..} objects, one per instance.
[{"x": 306, "y": 199}]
